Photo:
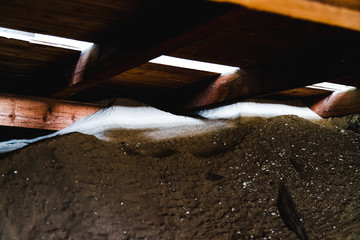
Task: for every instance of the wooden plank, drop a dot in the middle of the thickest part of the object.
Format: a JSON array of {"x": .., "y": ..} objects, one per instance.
[
  {"x": 255, "y": 36},
  {"x": 298, "y": 93},
  {"x": 344, "y": 14},
  {"x": 336, "y": 104},
  {"x": 106, "y": 60},
  {"x": 331, "y": 61},
  {"x": 239, "y": 37},
  {"x": 146, "y": 83},
  {"x": 25, "y": 68},
  {"x": 302, "y": 92},
  {"x": 160, "y": 76},
  {"x": 41, "y": 113},
  {"x": 85, "y": 20},
  {"x": 92, "y": 21}
]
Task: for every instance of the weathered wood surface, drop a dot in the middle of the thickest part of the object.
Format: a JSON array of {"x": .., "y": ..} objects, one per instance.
[
  {"x": 340, "y": 13},
  {"x": 41, "y": 113},
  {"x": 328, "y": 62},
  {"x": 254, "y": 36},
  {"x": 145, "y": 83},
  {"x": 127, "y": 34},
  {"x": 108, "y": 59},
  {"x": 161, "y": 76},
  {"x": 336, "y": 104},
  {"x": 84, "y": 20},
  {"x": 26, "y": 68},
  {"x": 300, "y": 93},
  {"x": 239, "y": 37},
  {"x": 269, "y": 48}
]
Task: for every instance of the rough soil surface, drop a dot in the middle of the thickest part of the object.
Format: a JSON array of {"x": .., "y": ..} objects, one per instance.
[{"x": 261, "y": 179}]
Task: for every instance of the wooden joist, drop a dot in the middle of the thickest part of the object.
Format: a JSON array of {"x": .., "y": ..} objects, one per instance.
[
  {"x": 155, "y": 32},
  {"x": 341, "y": 13},
  {"x": 271, "y": 50},
  {"x": 161, "y": 77},
  {"x": 238, "y": 37},
  {"x": 41, "y": 113},
  {"x": 336, "y": 104},
  {"x": 331, "y": 61},
  {"x": 302, "y": 92}
]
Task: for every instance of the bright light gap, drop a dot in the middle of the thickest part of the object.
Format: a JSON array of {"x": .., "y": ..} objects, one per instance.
[
  {"x": 43, "y": 39},
  {"x": 331, "y": 86},
  {"x": 195, "y": 65}
]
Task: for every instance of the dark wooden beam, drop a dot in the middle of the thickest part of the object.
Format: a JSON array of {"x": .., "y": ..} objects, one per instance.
[
  {"x": 328, "y": 62},
  {"x": 41, "y": 113},
  {"x": 342, "y": 13},
  {"x": 336, "y": 104},
  {"x": 108, "y": 59},
  {"x": 300, "y": 93}
]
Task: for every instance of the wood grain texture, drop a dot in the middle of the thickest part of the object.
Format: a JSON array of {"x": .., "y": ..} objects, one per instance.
[
  {"x": 148, "y": 83},
  {"x": 26, "y": 68},
  {"x": 344, "y": 14},
  {"x": 161, "y": 76},
  {"x": 267, "y": 46},
  {"x": 254, "y": 36},
  {"x": 328, "y": 62},
  {"x": 78, "y": 19},
  {"x": 351, "y": 4},
  {"x": 127, "y": 34},
  {"x": 336, "y": 104},
  {"x": 299, "y": 93},
  {"x": 238, "y": 37},
  {"x": 41, "y": 113},
  {"x": 142, "y": 42}
]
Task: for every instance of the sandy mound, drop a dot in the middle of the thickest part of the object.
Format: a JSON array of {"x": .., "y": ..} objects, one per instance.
[{"x": 219, "y": 185}]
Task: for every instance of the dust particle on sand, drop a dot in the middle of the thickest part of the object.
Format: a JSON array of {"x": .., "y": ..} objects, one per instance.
[{"x": 78, "y": 187}]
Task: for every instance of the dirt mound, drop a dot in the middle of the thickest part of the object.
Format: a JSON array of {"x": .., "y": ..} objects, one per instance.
[{"x": 219, "y": 185}]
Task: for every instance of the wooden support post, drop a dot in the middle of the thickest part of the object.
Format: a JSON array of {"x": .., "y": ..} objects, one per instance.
[
  {"x": 342, "y": 13},
  {"x": 336, "y": 104},
  {"x": 41, "y": 113}
]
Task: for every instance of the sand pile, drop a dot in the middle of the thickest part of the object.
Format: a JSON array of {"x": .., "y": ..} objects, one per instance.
[{"x": 222, "y": 184}]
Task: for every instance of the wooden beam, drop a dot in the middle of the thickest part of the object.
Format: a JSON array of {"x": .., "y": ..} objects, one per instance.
[
  {"x": 329, "y": 62},
  {"x": 342, "y": 13},
  {"x": 336, "y": 104},
  {"x": 108, "y": 59},
  {"x": 302, "y": 92},
  {"x": 41, "y": 113}
]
